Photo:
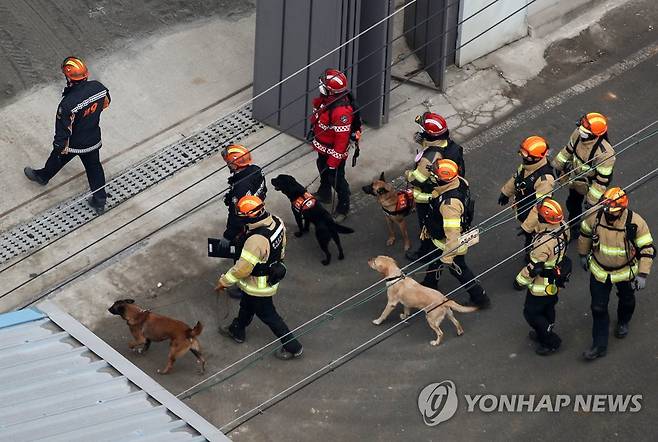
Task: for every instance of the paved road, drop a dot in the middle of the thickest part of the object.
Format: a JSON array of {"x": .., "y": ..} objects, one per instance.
[{"x": 374, "y": 396}]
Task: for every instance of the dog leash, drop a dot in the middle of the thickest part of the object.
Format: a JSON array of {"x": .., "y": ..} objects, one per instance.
[{"x": 226, "y": 303}]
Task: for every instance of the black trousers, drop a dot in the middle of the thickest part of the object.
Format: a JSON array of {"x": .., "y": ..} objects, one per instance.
[
  {"x": 334, "y": 179},
  {"x": 426, "y": 245},
  {"x": 575, "y": 204},
  {"x": 93, "y": 168},
  {"x": 539, "y": 312},
  {"x": 464, "y": 275},
  {"x": 263, "y": 307},
  {"x": 600, "y": 292}
]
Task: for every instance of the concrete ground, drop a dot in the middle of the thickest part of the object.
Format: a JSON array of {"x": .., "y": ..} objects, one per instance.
[{"x": 374, "y": 397}]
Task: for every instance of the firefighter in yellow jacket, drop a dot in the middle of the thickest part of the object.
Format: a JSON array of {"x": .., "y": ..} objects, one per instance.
[
  {"x": 545, "y": 273},
  {"x": 257, "y": 273},
  {"x": 533, "y": 180},
  {"x": 450, "y": 214},
  {"x": 616, "y": 246},
  {"x": 588, "y": 152},
  {"x": 434, "y": 139}
]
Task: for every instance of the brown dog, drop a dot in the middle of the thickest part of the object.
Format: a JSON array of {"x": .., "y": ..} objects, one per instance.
[
  {"x": 411, "y": 294},
  {"x": 146, "y": 326},
  {"x": 396, "y": 206}
]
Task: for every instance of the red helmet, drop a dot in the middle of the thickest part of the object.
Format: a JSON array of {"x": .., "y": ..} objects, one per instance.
[
  {"x": 332, "y": 81},
  {"x": 433, "y": 124},
  {"x": 75, "y": 69}
]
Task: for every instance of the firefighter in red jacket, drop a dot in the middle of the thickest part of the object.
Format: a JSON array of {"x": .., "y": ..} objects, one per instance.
[{"x": 331, "y": 122}]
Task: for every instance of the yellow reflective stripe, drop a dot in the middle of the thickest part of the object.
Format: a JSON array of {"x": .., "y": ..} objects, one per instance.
[
  {"x": 561, "y": 157},
  {"x": 230, "y": 278},
  {"x": 539, "y": 288},
  {"x": 257, "y": 291},
  {"x": 612, "y": 251},
  {"x": 522, "y": 280},
  {"x": 624, "y": 274},
  {"x": 452, "y": 223},
  {"x": 249, "y": 257},
  {"x": 418, "y": 176},
  {"x": 584, "y": 167},
  {"x": 644, "y": 240},
  {"x": 585, "y": 228},
  {"x": 604, "y": 170},
  {"x": 440, "y": 244},
  {"x": 542, "y": 195},
  {"x": 595, "y": 192},
  {"x": 261, "y": 282},
  {"x": 421, "y": 197}
]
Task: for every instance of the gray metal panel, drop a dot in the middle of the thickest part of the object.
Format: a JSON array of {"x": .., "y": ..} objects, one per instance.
[
  {"x": 374, "y": 66},
  {"x": 294, "y": 57},
  {"x": 60, "y": 382},
  {"x": 267, "y": 60}
]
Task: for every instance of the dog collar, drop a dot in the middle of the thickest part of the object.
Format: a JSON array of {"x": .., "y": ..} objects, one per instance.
[{"x": 394, "y": 279}]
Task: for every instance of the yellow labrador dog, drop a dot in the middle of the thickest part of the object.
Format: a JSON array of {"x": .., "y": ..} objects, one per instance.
[{"x": 411, "y": 294}]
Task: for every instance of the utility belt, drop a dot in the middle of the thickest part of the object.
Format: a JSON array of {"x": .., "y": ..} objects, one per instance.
[{"x": 630, "y": 263}]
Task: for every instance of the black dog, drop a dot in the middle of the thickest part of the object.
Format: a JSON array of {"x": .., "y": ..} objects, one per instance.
[{"x": 307, "y": 210}]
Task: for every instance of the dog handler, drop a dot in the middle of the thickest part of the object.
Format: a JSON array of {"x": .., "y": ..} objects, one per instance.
[
  {"x": 549, "y": 249},
  {"x": 257, "y": 274}
]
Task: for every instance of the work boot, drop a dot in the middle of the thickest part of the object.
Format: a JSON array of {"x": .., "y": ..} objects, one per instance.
[
  {"x": 593, "y": 353},
  {"x": 32, "y": 175},
  {"x": 541, "y": 350},
  {"x": 621, "y": 330},
  {"x": 99, "y": 208},
  {"x": 286, "y": 355},
  {"x": 225, "y": 330},
  {"x": 340, "y": 217}
]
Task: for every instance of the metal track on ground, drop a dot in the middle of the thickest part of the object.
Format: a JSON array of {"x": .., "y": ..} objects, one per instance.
[{"x": 70, "y": 215}]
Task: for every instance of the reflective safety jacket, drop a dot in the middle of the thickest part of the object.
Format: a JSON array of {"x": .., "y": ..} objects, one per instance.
[
  {"x": 246, "y": 181},
  {"x": 332, "y": 123},
  {"x": 600, "y": 159},
  {"x": 265, "y": 244},
  {"x": 548, "y": 249},
  {"x": 619, "y": 250},
  {"x": 530, "y": 183},
  {"x": 434, "y": 150},
  {"x": 77, "y": 125},
  {"x": 446, "y": 217}
]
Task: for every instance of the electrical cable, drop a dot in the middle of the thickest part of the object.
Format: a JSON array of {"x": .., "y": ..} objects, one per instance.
[{"x": 245, "y": 417}]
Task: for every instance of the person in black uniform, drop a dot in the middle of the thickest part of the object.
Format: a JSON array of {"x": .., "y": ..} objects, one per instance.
[{"x": 77, "y": 131}]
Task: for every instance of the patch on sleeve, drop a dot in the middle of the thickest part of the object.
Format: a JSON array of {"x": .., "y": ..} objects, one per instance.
[{"x": 343, "y": 118}]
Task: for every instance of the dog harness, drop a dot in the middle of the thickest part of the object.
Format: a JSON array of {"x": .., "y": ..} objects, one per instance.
[
  {"x": 404, "y": 203},
  {"x": 304, "y": 203}
]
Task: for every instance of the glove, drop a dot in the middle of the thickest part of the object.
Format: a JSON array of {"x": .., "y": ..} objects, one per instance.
[
  {"x": 640, "y": 281},
  {"x": 418, "y": 137},
  {"x": 584, "y": 262},
  {"x": 357, "y": 152},
  {"x": 219, "y": 287},
  {"x": 521, "y": 232},
  {"x": 227, "y": 200},
  {"x": 503, "y": 199},
  {"x": 310, "y": 136}
]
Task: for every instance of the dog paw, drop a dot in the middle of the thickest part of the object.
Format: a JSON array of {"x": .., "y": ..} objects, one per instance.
[
  {"x": 390, "y": 241},
  {"x": 341, "y": 256},
  {"x": 162, "y": 371},
  {"x": 377, "y": 321},
  {"x": 435, "y": 343},
  {"x": 325, "y": 262},
  {"x": 407, "y": 247},
  {"x": 403, "y": 316},
  {"x": 140, "y": 351},
  {"x": 460, "y": 332},
  {"x": 298, "y": 234}
]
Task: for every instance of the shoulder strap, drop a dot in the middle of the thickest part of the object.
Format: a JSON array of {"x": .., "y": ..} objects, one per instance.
[{"x": 596, "y": 147}]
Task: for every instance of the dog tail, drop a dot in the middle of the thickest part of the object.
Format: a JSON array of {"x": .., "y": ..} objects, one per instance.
[
  {"x": 342, "y": 229},
  {"x": 460, "y": 308},
  {"x": 196, "y": 331}
]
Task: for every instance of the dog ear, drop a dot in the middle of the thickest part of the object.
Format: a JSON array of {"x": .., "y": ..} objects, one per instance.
[{"x": 381, "y": 177}]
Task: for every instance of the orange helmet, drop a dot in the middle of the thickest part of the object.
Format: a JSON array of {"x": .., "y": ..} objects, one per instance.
[
  {"x": 595, "y": 123},
  {"x": 534, "y": 147},
  {"x": 250, "y": 206},
  {"x": 614, "y": 199},
  {"x": 237, "y": 154},
  {"x": 446, "y": 170},
  {"x": 551, "y": 211},
  {"x": 74, "y": 69}
]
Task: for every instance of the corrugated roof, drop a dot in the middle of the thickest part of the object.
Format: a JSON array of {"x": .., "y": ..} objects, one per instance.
[{"x": 60, "y": 382}]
